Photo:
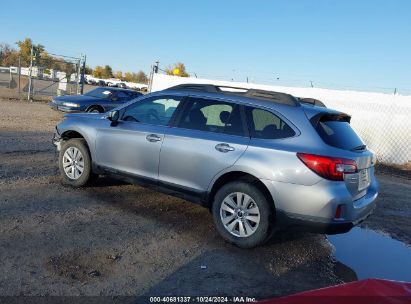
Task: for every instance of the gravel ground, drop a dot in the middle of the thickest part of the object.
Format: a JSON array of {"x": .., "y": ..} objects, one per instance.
[{"x": 112, "y": 238}]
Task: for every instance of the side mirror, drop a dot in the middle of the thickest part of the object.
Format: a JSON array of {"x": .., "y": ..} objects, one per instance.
[{"x": 113, "y": 116}]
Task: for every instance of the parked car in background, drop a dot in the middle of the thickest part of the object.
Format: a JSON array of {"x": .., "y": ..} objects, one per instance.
[
  {"x": 98, "y": 100},
  {"x": 101, "y": 83},
  {"x": 136, "y": 86},
  {"x": 90, "y": 81},
  {"x": 261, "y": 161}
]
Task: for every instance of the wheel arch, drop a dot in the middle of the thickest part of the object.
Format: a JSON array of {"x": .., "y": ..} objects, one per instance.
[
  {"x": 96, "y": 106},
  {"x": 239, "y": 176},
  {"x": 70, "y": 134}
]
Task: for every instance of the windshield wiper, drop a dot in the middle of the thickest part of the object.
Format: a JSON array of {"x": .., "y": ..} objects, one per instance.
[{"x": 361, "y": 147}]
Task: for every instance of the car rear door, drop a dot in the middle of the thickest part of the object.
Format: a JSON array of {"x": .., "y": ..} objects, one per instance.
[
  {"x": 209, "y": 136},
  {"x": 133, "y": 145}
]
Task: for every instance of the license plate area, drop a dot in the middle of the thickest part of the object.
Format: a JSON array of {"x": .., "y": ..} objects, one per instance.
[{"x": 363, "y": 179}]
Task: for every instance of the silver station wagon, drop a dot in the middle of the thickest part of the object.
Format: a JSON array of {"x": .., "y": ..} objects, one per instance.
[{"x": 261, "y": 161}]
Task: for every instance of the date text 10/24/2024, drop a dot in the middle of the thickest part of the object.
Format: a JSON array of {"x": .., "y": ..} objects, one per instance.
[{"x": 202, "y": 299}]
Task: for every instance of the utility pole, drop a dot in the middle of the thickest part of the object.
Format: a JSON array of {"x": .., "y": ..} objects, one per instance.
[
  {"x": 311, "y": 83},
  {"x": 154, "y": 69},
  {"x": 156, "y": 66},
  {"x": 247, "y": 79},
  {"x": 31, "y": 68},
  {"x": 82, "y": 74},
  {"x": 78, "y": 75}
]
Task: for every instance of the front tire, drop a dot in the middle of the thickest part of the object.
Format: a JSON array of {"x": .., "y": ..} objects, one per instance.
[
  {"x": 75, "y": 163},
  {"x": 95, "y": 109},
  {"x": 241, "y": 214}
]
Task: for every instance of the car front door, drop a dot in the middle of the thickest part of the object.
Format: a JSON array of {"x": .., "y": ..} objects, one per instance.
[
  {"x": 209, "y": 136},
  {"x": 133, "y": 145}
]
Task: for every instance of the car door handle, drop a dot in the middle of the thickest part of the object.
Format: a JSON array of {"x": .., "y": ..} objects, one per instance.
[
  {"x": 153, "y": 137},
  {"x": 224, "y": 148}
]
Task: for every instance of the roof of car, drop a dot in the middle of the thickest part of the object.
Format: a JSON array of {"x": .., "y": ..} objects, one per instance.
[
  {"x": 269, "y": 99},
  {"x": 277, "y": 97}
]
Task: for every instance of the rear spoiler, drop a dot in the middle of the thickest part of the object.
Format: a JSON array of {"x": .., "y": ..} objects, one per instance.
[
  {"x": 311, "y": 101},
  {"x": 324, "y": 116}
]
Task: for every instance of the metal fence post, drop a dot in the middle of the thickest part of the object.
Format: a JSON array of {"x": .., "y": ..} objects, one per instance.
[
  {"x": 19, "y": 77},
  {"x": 31, "y": 67}
]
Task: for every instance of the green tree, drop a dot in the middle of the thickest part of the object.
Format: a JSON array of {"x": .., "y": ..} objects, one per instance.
[
  {"x": 47, "y": 61},
  {"x": 88, "y": 70},
  {"x": 98, "y": 72},
  {"x": 25, "y": 51},
  {"x": 128, "y": 77},
  {"x": 107, "y": 72},
  {"x": 119, "y": 75},
  {"x": 178, "y": 69},
  {"x": 8, "y": 55},
  {"x": 140, "y": 77}
]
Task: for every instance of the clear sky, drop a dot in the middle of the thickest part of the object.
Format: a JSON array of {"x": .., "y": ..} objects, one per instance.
[{"x": 363, "y": 44}]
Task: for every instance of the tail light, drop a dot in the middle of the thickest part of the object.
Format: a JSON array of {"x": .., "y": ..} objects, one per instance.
[
  {"x": 329, "y": 167},
  {"x": 338, "y": 212}
]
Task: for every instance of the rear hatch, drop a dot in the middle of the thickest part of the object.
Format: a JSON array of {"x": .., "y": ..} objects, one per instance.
[{"x": 335, "y": 130}]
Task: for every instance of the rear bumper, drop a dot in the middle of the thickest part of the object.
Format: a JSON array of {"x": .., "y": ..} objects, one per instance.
[
  {"x": 313, "y": 208},
  {"x": 297, "y": 222},
  {"x": 63, "y": 108}
]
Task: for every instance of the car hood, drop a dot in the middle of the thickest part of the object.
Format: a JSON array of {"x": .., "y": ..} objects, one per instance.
[{"x": 76, "y": 99}]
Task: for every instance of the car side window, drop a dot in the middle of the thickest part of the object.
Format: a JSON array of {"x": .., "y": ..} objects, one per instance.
[
  {"x": 213, "y": 116},
  {"x": 267, "y": 125},
  {"x": 155, "y": 110}
]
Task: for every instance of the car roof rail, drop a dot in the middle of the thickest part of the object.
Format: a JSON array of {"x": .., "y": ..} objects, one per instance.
[
  {"x": 312, "y": 101},
  {"x": 276, "y": 97}
]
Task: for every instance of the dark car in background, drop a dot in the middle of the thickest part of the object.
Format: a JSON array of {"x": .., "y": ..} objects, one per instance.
[{"x": 99, "y": 100}]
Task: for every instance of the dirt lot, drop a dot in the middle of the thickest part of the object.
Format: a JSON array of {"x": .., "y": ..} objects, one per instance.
[{"x": 118, "y": 239}]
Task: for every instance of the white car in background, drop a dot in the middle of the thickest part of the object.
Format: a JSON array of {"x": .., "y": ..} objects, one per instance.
[{"x": 136, "y": 86}]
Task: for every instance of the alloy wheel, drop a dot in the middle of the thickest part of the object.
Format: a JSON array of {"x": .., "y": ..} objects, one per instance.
[
  {"x": 73, "y": 163},
  {"x": 240, "y": 214}
]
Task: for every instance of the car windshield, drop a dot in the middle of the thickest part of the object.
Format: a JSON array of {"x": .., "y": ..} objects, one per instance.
[{"x": 100, "y": 93}]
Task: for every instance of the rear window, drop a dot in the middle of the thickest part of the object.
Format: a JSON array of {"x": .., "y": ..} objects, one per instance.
[{"x": 339, "y": 134}]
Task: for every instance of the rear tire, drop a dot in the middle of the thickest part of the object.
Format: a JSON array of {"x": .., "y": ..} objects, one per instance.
[
  {"x": 75, "y": 163},
  {"x": 242, "y": 214}
]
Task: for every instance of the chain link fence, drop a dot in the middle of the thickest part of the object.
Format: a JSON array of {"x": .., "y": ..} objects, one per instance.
[
  {"x": 55, "y": 76},
  {"x": 48, "y": 76},
  {"x": 384, "y": 126},
  {"x": 7, "y": 85}
]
